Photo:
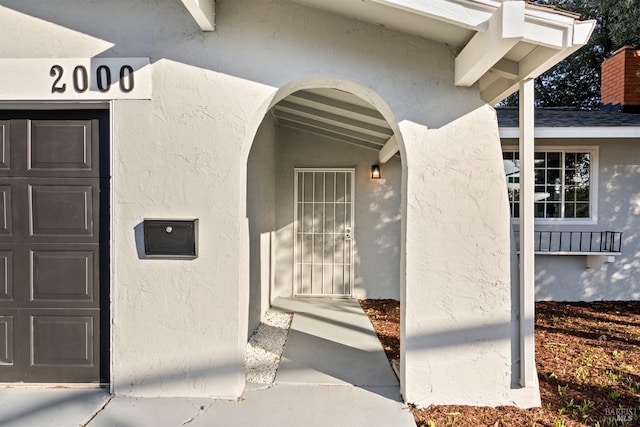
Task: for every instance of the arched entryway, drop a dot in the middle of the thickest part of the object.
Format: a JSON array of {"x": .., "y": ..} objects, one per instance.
[{"x": 319, "y": 224}]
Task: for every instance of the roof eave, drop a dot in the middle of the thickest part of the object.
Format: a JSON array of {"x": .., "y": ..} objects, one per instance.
[
  {"x": 500, "y": 27},
  {"x": 552, "y": 40},
  {"x": 593, "y": 132},
  {"x": 496, "y": 29}
]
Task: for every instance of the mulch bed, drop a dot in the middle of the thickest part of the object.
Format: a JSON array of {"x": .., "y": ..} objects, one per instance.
[{"x": 588, "y": 361}]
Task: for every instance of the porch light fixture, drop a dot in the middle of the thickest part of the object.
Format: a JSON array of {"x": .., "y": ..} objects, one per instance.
[{"x": 375, "y": 172}]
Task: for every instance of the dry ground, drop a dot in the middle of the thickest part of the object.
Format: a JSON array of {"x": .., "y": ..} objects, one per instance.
[{"x": 588, "y": 360}]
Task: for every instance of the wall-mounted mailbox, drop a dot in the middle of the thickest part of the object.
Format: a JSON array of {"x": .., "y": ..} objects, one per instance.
[{"x": 171, "y": 238}]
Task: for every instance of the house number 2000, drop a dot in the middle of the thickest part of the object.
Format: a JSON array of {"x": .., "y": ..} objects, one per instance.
[{"x": 80, "y": 79}]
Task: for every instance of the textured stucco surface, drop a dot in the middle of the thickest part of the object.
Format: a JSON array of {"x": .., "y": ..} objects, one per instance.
[
  {"x": 566, "y": 278},
  {"x": 261, "y": 213},
  {"x": 180, "y": 327},
  {"x": 458, "y": 307}
]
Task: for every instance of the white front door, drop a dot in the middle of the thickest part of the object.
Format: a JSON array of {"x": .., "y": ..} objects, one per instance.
[{"x": 323, "y": 228}]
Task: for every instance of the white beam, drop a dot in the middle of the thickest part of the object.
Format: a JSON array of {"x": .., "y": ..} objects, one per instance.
[
  {"x": 506, "y": 68},
  {"x": 321, "y": 100},
  {"x": 326, "y": 116},
  {"x": 498, "y": 90},
  {"x": 330, "y": 134},
  {"x": 543, "y": 58},
  {"x": 389, "y": 150},
  {"x": 289, "y": 117},
  {"x": 537, "y": 62},
  {"x": 485, "y": 49},
  {"x": 527, "y": 240},
  {"x": 203, "y": 12},
  {"x": 488, "y": 80}
]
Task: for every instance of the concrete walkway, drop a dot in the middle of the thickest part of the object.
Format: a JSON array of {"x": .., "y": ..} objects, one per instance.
[{"x": 333, "y": 373}]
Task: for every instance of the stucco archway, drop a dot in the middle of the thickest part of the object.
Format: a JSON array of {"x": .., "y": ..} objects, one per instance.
[{"x": 277, "y": 148}]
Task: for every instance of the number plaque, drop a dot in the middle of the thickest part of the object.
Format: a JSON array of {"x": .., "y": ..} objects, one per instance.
[{"x": 75, "y": 79}]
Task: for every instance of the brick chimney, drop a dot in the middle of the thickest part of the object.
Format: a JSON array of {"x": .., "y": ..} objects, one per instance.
[{"x": 620, "y": 84}]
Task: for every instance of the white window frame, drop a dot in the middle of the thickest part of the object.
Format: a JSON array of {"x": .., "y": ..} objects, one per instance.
[{"x": 594, "y": 150}]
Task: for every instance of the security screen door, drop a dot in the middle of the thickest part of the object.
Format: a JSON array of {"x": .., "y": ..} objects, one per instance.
[{"x": 323, "y": 249}]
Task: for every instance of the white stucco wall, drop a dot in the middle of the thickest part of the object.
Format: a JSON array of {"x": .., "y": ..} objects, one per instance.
[
  {"x": 567, "y": 278},
  {"x": 377, "y": 211},
  {"x": 458, "y": 296},
  {"x": 261, "y": 212},
  {"x": 180, "y": 327}
]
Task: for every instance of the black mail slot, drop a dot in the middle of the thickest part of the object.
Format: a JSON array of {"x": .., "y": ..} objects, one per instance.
[{"x": 170, "y": 238}]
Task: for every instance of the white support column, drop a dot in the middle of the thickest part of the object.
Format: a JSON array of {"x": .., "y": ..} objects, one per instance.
[{"x": 527, "y": 274}]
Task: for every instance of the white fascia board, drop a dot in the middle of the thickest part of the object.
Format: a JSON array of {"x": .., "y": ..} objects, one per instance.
[
  {"x": 556, "y": 31},
  {"x": 459, "y": 13},
  {"x": 549, "y": 34},
  {"x": 203, "y": 12},
  {"x": 487, "y": 48},
  {"x": 604, "y": 132},
  {"x": 582, "y": 31},
  {"x": 551, "y": 16}
]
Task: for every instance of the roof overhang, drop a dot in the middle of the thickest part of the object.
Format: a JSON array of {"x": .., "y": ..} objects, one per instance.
[
  {"x": 500, "y": 42},
  {"x": 600, "y": 132}
]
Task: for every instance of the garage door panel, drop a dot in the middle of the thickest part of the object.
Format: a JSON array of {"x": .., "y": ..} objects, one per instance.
[
  {"x": 45, "y": 148},
  {"x": 6, "y": 340},
  {"x": 50, "y": 210},
  {"x": 5, "y": 144},
  {"x": 6, "y": 210},
  {"x": 62, "y": 340},
  {"x": 13, "y": 293},
  {"x": 61, "y": 210},
  {"x": 57, "y": 146},
  {"x": 14, "y": 151},
  {"x": 14, "y": 342},
  {"x": 51, "y": 275},
  {"x": 6, "y": 276},
  {"x": 56, "y": 346},
  {"x": 64, "y": 276}
]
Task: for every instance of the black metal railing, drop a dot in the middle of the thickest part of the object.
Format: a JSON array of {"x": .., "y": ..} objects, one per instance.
[{"x": 576, "y": 241}]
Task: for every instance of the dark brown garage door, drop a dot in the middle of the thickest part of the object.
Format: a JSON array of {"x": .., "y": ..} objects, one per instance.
[{"x": 54, "y": 246}]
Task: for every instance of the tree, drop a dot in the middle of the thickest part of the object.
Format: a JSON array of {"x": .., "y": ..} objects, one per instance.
[{"x": 576, "y": 80}]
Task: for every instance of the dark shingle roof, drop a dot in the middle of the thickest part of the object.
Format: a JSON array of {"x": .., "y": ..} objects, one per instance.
[{"x": 569, "y": 117}]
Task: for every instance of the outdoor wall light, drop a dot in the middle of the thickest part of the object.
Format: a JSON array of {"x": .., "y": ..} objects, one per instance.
[{"x": 375, "y": 172}]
